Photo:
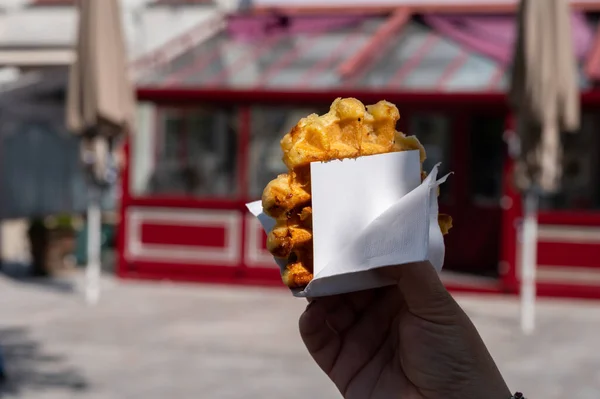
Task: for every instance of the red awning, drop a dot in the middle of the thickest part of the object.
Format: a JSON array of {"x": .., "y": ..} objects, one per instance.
[{"x": 308, "y": 52}]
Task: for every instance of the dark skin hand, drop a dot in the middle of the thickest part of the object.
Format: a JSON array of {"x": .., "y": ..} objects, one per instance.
[{"x": 409, "y": 341}]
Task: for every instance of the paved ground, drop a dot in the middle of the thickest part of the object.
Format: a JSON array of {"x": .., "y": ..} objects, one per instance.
[{"x": 148, "y": 340}]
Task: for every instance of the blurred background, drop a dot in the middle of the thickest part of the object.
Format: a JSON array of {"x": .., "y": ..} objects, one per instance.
[{"x": 192, "y": 304}]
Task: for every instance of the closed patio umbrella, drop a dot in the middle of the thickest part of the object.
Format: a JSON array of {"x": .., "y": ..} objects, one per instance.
[
  {"x": 545, "y": 95},
  {"x": 100, "y": 108}
]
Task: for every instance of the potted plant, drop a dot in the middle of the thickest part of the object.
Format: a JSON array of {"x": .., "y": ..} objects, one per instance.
[{"x": 62, "y": 241}]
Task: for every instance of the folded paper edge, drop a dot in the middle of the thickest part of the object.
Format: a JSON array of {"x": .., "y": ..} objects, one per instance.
[
  {"x": 430, "y": 182},
  {"x": 255, "y": 208}
]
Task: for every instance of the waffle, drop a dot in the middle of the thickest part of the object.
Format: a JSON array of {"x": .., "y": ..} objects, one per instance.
[{"x": 348, "y": 130}]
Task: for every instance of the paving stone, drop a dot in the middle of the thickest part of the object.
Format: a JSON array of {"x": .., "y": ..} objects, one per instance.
[{"x": 161, "y": 340}]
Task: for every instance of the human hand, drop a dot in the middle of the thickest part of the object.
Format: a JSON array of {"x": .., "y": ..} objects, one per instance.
[{"x": 411, "y": 340}]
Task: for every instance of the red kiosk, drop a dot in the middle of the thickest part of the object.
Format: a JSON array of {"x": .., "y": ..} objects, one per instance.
[{"x": 210, "y": 122}]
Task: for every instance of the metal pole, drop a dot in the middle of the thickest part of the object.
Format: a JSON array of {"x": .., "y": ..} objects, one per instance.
[
  {"x": 94, "y": 244},
  {"x": 529, "y": 239}
]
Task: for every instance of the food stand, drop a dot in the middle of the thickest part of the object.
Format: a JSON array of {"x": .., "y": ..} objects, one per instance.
[{"x": 210, "y": 120}]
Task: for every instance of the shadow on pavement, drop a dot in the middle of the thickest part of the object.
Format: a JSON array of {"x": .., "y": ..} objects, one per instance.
[
  {"x": 19, "y": 272},
  {"x": 29, "y": 367}
]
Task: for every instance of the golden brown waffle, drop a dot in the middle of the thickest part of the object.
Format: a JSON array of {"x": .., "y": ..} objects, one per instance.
[{"x": 348, "y": 130}]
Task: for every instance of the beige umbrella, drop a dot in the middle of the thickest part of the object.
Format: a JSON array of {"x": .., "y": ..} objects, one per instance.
[
  {"x": 545, "y": 95},
  {"x": 100, "y": 107}
]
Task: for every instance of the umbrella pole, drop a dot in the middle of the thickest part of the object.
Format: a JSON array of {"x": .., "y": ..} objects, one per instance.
[
  {"x": 529, "y": 262},
  {"x": 94, "y": 243}
]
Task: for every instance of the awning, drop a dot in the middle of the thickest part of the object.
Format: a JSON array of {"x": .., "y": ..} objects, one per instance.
[
  {"x": 421, "y": 59},
  {"x": 305, "y": 53}
]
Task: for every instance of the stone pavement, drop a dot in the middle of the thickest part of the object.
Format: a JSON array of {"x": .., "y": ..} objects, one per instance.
[{"x": 162, "y": 340}]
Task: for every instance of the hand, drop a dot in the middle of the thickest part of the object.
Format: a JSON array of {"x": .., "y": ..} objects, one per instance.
[{"x": 411, "y": 340}]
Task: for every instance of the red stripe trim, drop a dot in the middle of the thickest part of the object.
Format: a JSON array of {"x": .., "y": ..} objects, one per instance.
[
  {"x": 451, "y": 69},
  {"x": 125, "y": 195},
  {"x": 179, "y": 44},
  {"x": 319, "y": 67},
  {"x": 592, "y": 65},
  {"x": 245, "y": 132},
  {"x": 443, "y": 100},
  {"x": 420, "y": 54},
  {"x": 263, "y": 240},
  {"x": 242, "y": 62},
  {"x": 496, "y": 78},
  {"x": 192, "y": 95},
  {"x": 394, "y": 23},
  {"x": 199, "y": 63},
  {"x": 350, "y": 83},
  {"x": 287, "y": 59},
  {"x": 181, "y": 202}
]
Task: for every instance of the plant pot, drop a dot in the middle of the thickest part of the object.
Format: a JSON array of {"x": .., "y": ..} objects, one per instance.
[{"x": 61, "y": 246}]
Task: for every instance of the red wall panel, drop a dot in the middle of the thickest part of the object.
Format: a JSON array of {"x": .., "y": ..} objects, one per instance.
[
  {"x": 200, "y": 236},
  {"x": 569, "y": 254}
]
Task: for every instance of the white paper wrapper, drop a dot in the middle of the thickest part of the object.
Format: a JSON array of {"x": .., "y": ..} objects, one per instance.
[{"x": 368, "y": 213}]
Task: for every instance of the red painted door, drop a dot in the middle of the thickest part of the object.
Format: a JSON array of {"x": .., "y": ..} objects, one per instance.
[{"x": 468, "y": 142}]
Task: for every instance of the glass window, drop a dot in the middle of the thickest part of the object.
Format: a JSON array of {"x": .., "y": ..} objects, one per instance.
[
  {"x": 433, "y": 131},
  {"x": 487, "y": 152},
  {"x": 580, "y": 188},
  {"x": 269, "y": 125},
  {"x": 185, "y": 151}
]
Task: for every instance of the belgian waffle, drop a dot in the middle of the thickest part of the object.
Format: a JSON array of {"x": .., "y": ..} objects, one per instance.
[{"x": 348, "y": 130}]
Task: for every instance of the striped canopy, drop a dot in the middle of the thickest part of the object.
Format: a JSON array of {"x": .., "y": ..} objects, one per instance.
[{"x": 431, "y": 53}]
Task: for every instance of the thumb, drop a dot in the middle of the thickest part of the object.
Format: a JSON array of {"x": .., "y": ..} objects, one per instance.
[{"x": 422, "y": 290}]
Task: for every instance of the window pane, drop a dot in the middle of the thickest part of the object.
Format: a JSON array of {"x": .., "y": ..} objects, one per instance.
[
  {"x": 189, "y": 151},
  {"x": 487, "y": 152},
  {"x": 433, "y": 131},
  {"x": 269, "y": 125},
  {"x": 581, "y": 169}
]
